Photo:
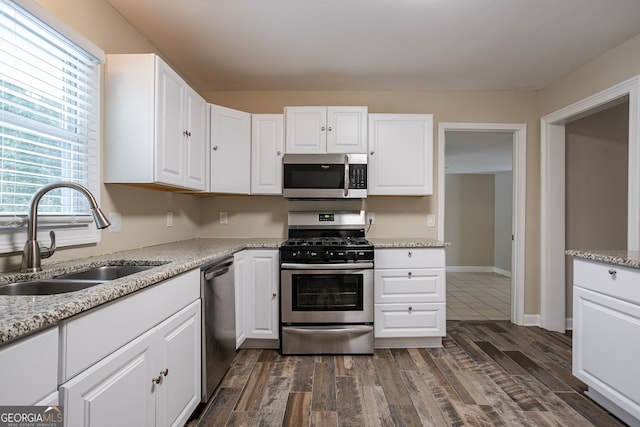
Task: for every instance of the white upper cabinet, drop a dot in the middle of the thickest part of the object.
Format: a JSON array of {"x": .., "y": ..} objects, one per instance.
[
  {"x": 154, "y": 125},
  {"x": 326, "y": 130},
  {"x": 267, "y": 140},
  {"x": 400, "y": 154},
  {"x": 230, "y": 151}
]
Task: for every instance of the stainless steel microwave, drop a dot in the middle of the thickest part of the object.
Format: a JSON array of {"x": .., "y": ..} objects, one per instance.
[{"x": 324, "y": 176}]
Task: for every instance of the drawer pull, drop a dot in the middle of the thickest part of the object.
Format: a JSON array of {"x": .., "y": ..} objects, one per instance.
[
  {"x": 409, "y": 254},
  {"x": 612, "y": 272},
  {"x": 410, "y": 274},
  {"x": 410, "y": 309}
]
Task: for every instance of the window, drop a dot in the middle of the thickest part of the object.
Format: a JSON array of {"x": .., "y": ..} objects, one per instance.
[{"x": 49, "y": 123}]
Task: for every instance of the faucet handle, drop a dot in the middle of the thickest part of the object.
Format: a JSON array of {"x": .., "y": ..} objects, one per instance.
[{"x": 47, "y": 252}]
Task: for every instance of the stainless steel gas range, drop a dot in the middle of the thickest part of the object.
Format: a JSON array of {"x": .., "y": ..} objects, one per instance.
[{"x": 326, "y": 280}]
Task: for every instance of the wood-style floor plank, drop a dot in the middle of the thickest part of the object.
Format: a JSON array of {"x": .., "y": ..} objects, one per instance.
[{"x": 486, "y": 374}]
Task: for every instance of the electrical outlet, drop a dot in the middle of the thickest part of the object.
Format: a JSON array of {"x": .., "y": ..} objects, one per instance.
[
  {"x": 371, "y": 218},
  {"x": 224, "y": 219},
  {"x": 115, "y": 218},
  {"x": 431, "y": 220},
  {"x": 169, "y": 219}
]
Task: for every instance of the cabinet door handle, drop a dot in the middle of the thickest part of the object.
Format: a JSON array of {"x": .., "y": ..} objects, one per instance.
[
  {"x": 215, "y": 147},
  {"x": 157, "y": 380},
  {"x": 329, "y": 128},
  {"x": 409, "y": 254},
  {"x": 279, "y": 153},
  {"x": 410, "y": 309},
  {"x": 612, "y": 272},
  {"x": 274, "y": 295},
  {"x": 410, "y": 274},
  {"x": 371, "y": 152},
  {"x": 322, "y": 128},
  {"x": 165, "y": 372}
]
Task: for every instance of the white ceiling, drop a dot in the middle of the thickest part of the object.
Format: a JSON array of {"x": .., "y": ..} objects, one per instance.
[
  {"x": 478, "y": 152},
  {"x": 380, "y": 44}
]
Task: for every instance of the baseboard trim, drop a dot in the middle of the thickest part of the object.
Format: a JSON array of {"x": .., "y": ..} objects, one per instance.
[
  {"x": 568, "y": 323},
  {"x": 531, "y": 320}
]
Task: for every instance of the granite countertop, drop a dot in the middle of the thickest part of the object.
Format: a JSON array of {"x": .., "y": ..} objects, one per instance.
[
  {"x": 618, "y": 257},
  {"x": 406, "y": 242},
  {"x": 22, "y": 315}
]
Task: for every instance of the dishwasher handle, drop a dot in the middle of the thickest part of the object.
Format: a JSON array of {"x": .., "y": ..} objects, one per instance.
[{"x": 218, "y": 270}]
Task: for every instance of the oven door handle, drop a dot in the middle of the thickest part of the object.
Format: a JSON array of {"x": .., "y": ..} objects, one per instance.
[
  {"x": 346, "y": 176},
  {"x": 351, "y": 330},
  {"x": 344, "y": 266}
]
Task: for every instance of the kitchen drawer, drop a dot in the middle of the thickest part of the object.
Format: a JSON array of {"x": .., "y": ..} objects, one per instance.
[
  {"x": 29, "y": 369},
  {"x": 409, "y": 285},
  {"x": 93, "y": 335},
  {"x": 613, "y": 280},
  {"x": 409, "y": 320},
  {"x": 410, "y": 258}
]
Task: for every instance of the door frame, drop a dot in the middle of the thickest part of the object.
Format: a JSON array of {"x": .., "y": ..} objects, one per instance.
[
  {"x": 552, "y": 192},
  {"x": 519, "y": 166}
]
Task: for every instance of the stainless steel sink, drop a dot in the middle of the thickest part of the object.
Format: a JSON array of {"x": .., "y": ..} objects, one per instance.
[
  {"x": 107, "y": 272},
  {"x": 72, "y": 282},
  {"x": 46, "y": 287}
]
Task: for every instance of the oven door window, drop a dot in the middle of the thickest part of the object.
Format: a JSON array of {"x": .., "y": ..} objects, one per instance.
[
  {"x": 329, "y": 176},
  {"x": 327, "y": 292}
]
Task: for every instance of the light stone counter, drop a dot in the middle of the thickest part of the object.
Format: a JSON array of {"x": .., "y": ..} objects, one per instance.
[
  {"x": 623, "y": 258},
  {"x": 22, "y": 315},
  {"x": 407, "y": 242}
]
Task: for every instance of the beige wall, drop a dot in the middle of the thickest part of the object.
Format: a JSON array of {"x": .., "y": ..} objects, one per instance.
[
  {"x": 503, "y": 214},
  {"x": 596, "y": 184},
  {"x": 469, "y": 227}
]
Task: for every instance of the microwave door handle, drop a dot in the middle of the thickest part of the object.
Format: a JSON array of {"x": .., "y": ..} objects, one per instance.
[{"x": 346, "y": 175}]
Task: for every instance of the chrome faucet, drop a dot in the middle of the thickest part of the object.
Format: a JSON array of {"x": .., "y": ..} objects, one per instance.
[{"x": 33, "y": 253}]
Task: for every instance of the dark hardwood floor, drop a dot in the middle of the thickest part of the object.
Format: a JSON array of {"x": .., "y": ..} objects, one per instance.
[{"x": 488, "y": 373}]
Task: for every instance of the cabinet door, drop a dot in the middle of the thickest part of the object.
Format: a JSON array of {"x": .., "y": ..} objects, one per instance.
[
  {"x": 262, "y": 296},
  {"x": 306, "y": 130},
  {"x": 605, "y": 347},
  {"x": 400, "y": 154},
  {"x": 179, "y": 366},
  {"x": 347, "y": 129},
  {"x": 230, "y": 151},
  {"x": 195, "y": 140},
  {"x": 169, "y": 150},
  {"x": 29, "y": 368},
  {"x": 266, "y": 153},
  {"x": 241, "y": 276},
  {"x": 117, "y": 391}
]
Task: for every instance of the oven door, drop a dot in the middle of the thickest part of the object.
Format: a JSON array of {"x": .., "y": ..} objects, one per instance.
[{"x": 326, "y": 293}]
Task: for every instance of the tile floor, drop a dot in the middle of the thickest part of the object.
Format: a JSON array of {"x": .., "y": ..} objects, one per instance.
[{"x": 478, "y": 296}]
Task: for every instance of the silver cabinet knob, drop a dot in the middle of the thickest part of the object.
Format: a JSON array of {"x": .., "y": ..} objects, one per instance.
[
  {"x": 410, "y": 274},
  {"x": 329, "y": 128},
  {"x": 157, "y": 380},
  {"x": 165, "y": 372},
  {"x": 371, "y": 152},
  {"x": 279, "y": 153},
  {"x": 612, "y": 272},
  {"x": 274, "y": 295},
  {"x": 409, "y": 254},
  {"x": 215, "y": 147},
  {"x": 322, "y": 128},
  {"x": 410, "y": 308}
]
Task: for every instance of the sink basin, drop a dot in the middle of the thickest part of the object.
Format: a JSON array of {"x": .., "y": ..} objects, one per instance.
[
  {"x": 105, "y": 273},
  {"x": 46, "y": 287},
  {"x": 72, "y": 282}
]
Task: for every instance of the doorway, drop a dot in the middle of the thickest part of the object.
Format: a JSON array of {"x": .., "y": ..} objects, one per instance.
[
  {"x": 485, "y": 135},
  {"x": 553, "y": 269}
]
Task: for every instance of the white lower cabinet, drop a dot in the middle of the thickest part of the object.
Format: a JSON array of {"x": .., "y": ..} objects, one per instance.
[
  {"x": 135, "y": 362},
  {"x": 257, "y": 278},
  {"x": 409, "y": 297},
  {"x": 29, "y": 370},
  {"x": 606, "y": 327}
]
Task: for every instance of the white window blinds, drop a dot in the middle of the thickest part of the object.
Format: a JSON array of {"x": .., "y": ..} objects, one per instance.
[
  {"x": 49, "y": 115},
  {"x": 49, "y": 124}
]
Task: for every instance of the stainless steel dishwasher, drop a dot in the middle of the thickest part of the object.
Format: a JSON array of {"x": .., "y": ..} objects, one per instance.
[{"x": 218, "y": 323}]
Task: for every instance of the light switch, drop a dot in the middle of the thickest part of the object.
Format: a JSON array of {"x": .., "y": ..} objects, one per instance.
[
  {"x": 169, "y": 219},
  {"x": 115, "y": 218},
  {"x": 223, "y": 217},
  {"x": 431, "y": 220}
]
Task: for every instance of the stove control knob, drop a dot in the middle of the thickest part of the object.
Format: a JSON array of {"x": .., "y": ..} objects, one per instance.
[{"x": 327, "y": 255}]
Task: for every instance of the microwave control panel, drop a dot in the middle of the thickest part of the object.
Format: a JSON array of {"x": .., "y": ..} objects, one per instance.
[{"x": 357, "y": 176}]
